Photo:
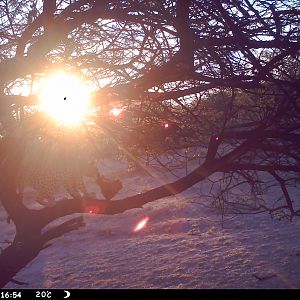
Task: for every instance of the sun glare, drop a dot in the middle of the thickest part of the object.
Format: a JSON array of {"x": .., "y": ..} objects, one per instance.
[{"x": 65, "y": 98}]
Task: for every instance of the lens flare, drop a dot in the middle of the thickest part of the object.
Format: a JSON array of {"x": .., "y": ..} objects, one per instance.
[
  {"x": 115, "y": 111},
  {"x": 91, "y": 209},
  {"x": 141, "y": 224}
]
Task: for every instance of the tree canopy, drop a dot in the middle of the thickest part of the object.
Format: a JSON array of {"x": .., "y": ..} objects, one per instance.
[{"x": 215, "y": 82}]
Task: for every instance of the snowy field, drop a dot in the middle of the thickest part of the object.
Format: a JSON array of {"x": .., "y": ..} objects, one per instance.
[{"x": 183, "y": 246}]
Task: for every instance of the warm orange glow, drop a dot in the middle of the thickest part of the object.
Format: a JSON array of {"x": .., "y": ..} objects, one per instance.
[
  {"x": 141, "y": 224},
  {"x": 92, "y": 209},
  {"x": 65, "y": 98}
]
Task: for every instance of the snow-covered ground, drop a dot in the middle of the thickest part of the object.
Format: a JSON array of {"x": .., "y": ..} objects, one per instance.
[{"x": 183, "y": 246}]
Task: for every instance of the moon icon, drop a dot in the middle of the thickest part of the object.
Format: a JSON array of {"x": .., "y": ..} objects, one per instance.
[{"x": 68, "y": 294}]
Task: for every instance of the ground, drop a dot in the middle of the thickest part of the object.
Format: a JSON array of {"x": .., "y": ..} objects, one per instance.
[{"x": 184, "y": 245}]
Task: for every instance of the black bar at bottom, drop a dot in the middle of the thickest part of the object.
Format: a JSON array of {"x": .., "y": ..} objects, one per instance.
[{"x": 147, "y": 294}]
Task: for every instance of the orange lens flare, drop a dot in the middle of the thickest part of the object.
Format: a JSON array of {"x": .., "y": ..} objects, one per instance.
[
  {"x": 141, "y": 224},
  {"x": 92, "y": 210}
]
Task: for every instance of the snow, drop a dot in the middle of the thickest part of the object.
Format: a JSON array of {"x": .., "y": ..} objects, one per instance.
[{"x": 183, "y": 245}]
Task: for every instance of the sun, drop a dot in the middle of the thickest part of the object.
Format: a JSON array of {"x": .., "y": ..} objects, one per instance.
[{"x": 65, "y": 98}]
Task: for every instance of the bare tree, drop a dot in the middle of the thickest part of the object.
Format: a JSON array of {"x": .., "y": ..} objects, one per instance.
[{"x": 212, "y": 81}]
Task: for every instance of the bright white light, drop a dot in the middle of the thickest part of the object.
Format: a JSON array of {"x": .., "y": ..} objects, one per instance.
[
  {"x": 116, "y": 111},
  {"x": 141, "y": 224},
  {"x": 65, "y": 98}
]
